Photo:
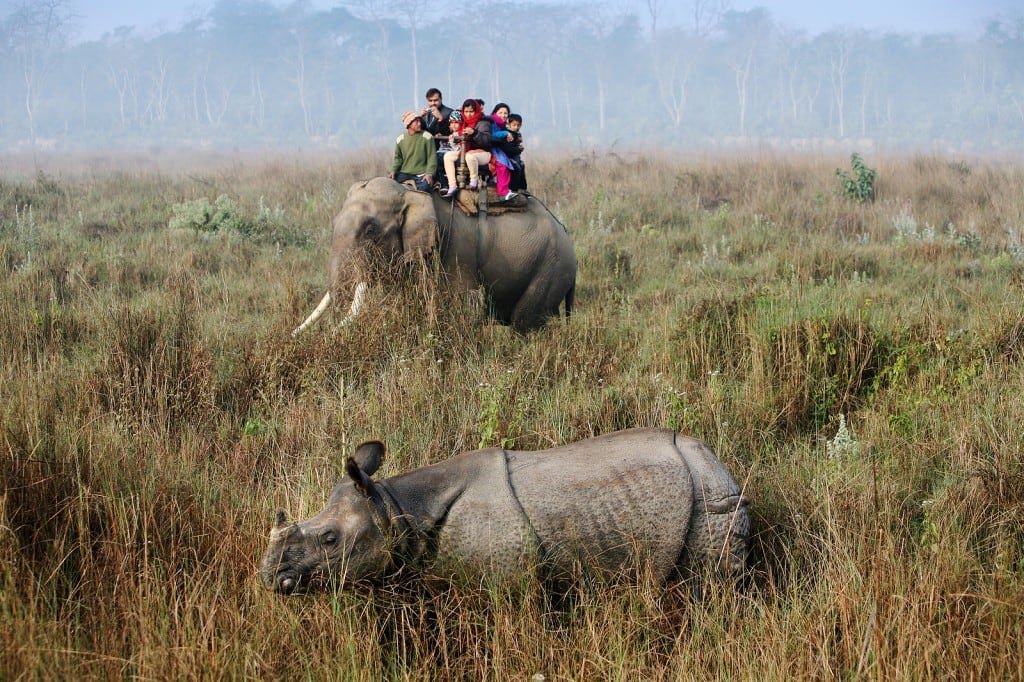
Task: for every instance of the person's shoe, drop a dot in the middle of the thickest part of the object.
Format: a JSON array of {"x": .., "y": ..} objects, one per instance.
[
  {"x": 473, "y": 184},
  {"x": 451, "y": 191},
  {"x": 510, "y": 196}
]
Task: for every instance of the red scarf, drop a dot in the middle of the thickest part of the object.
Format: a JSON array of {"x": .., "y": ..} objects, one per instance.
[{"x": 470, "y": 123}]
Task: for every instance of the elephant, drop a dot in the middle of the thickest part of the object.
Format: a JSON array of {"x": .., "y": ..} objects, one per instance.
[
  {"x": 524, "y": 261},
  {"x": 611, "y": 505}
]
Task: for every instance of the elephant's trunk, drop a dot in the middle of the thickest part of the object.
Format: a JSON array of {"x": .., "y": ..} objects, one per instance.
[{"x": 325, "y": 303}]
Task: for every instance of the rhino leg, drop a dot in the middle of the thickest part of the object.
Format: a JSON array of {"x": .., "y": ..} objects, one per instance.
[{"x": 720, "y": 524}]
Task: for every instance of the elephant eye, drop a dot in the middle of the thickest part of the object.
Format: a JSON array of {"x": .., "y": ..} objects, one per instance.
[
  {"x": 328, "y": 538},
  {"x": 371, "y": 229}
]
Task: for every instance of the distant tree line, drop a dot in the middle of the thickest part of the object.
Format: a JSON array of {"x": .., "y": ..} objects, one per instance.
[{"x": 249, "y": 73}]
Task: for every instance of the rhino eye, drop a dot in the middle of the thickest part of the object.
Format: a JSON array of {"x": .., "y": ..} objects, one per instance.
[{"x": 328, "y": 538}]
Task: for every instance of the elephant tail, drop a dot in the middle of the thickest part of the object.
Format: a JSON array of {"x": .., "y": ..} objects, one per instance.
[{"x": 570, "y": 298}]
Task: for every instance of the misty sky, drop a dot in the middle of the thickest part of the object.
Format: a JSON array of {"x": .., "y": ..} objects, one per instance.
[{"x": 100, "y": 16}]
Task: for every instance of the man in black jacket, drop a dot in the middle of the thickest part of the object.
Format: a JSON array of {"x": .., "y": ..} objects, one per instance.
[{"x": 435, "y": 121}]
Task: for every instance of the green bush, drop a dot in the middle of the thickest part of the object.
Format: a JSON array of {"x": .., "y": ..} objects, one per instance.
[
  {"x": 268, "y": 227},
  {"x": 861, "y": 188},
  {"x": 201, "y": 216}
]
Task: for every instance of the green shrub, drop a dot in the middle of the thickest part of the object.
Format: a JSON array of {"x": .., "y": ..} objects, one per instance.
[
  {"x": 861, "y": 188},
  {"x": 268, "y": 227},
  {"x": 201, "y": 216}
]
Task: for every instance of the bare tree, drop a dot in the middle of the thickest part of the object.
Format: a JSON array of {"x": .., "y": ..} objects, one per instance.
[
  {"x": 381, "y": 52},
  {"x": 258, "y": 111},
  {"x": 298, "y": 62},
  {"x": 409, "y": 14},
  {"x": 745, "y": 33},
  {"x": 159, "y": 92},
  {"x": 841, "y": 48},
  {"x": 839, "y": 61},
  {"x": 36, "y": 30},
  {"x": 123, "y": 49},
  {"x": 654, "y": 8},
  {"x": 546, "y": 30},
  {"x": 803, "y": 89},
  {"x": 707, "y": 14},
  {"x": 674, "y": 54},
  {"x": 122, "y": 78},
  {"x": 867, "y": 83},
  {"x": 741, "y": 75},
  {"x": 599, "y": 30}
]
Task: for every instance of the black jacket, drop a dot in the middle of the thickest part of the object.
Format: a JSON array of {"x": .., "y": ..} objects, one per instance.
[
  {"x": 481, "y": 138},
  {"x": 438, "y": 126}
]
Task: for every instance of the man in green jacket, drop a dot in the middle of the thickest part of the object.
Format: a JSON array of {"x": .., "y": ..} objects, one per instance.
[{"x": 415, "y": 157}]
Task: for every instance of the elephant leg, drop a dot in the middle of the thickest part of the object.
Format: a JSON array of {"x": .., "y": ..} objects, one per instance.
[
  {"x": 535, "y": 305},
  {"x": 502, "y": 314}
]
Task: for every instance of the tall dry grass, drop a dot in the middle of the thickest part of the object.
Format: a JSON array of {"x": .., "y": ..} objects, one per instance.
[{"x": 857, "y": 367}]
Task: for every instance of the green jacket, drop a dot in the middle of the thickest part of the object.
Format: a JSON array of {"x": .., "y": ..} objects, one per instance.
[{"x": 415, "y": 154}]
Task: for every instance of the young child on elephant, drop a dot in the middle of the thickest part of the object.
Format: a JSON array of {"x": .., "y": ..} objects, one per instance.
[
  {"x": 475, "y": 134},
  {"x": 455, "y": 126},
  {"x": 514, "y": 149},
  {"x": 501, "y": 166}
]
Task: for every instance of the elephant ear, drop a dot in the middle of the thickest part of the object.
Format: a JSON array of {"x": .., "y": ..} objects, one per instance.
[
  {"x": 355, "y": 187},
  {"x": 419, "y": 225}
]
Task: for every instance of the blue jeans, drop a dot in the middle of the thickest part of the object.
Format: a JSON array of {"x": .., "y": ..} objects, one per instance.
[{"x": 421, "y": 183}]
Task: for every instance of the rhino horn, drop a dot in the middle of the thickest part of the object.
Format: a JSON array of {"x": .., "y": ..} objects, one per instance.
[{"x": 282, "y": 528}]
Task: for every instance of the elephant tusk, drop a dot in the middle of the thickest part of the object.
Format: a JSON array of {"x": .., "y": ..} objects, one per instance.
[
  {"x": 357, "y": 303},
  {"x": 325, "y": 303}
]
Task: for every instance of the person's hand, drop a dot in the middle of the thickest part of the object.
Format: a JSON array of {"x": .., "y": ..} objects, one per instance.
[{"x": 429, "y": 179}]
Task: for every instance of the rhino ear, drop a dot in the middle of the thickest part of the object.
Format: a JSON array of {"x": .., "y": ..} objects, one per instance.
[
  {"x": 369, "y": 455},
  {"x": 364, "y": 483},
  {"x": 280, "y": 519}
]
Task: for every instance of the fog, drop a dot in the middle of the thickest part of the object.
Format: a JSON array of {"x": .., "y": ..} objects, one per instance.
[{"x": 689, "y": 74}]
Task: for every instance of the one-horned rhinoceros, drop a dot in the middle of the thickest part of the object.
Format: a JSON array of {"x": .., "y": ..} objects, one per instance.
[{"x": 646, "y": 497}]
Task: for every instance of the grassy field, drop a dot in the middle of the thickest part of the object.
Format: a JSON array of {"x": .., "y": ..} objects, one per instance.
[{"x": 857, "y": 366}]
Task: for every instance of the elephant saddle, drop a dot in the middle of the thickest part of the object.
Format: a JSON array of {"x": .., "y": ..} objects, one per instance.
[{"x": 468, "y": 202}]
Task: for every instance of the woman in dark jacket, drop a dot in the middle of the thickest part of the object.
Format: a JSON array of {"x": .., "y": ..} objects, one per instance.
[{"x": 475, "y": 134}]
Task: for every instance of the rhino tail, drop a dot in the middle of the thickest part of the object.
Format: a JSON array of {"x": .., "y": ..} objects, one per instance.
[
  {"x": 720, "y": 524},
  {"x": 718, "y": 536},
  {"x": 731, "y": 559}
]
